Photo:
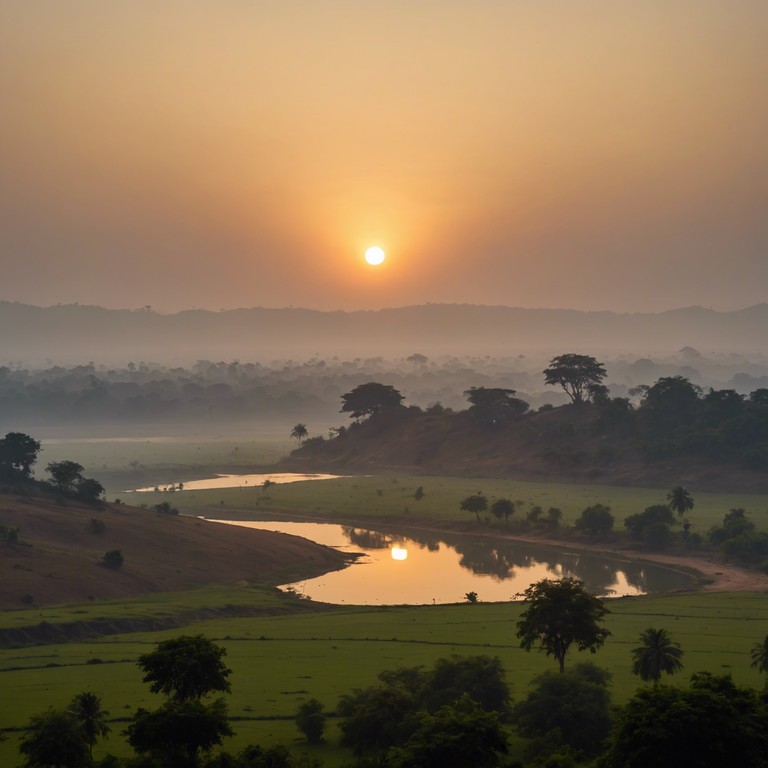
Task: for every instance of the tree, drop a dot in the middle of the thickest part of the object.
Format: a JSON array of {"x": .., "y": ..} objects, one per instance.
[
  {"x": 310, "y": 720},
  {"x": 596, "y": 520},
  {"x": 18, "y": 454},
  {"x": 503, "y": 508},
  {"x": 370, "y": 399},
  {"x": 759, "y": 655},
  {"x": 456, "y": 736},
  {"x": 92, "y": 719},
  {"x": 476, "y": 503},
  {"x": 657, "y": 654},
  {"x": 54, "y": 739},
  {"x": 494, "y": 406},
  {"x": 186, "y": 667},
  {"x": 574, "y": 373},
  {"x": 299, "y": 432},
  {"x": 670, "y": 402},
  {"x": 680, "y": 500},
  {"x": 482, "y": 678},
  {"x": 559, "y": 613},
  {"x": 178, "y": 731},
  {"x": 65, "y": 474},
  {"x": 572, "y": 709},
  {"x": 113, "y": 559},
  {"x": 711, "y": 724},
  {"x": 90, "y": 490}
]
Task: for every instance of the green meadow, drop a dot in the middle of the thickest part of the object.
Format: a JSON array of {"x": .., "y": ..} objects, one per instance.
[{"x": 279, "y": 661}]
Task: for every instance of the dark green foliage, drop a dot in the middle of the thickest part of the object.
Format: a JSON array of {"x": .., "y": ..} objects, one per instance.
[
  {"x": 482, "y": 678},
  {"x": 493, "y": 406},
  {"x": 310, "y": 720},
  {"x": 680, "y": 500},
  {"x": 652, "y": 526},
  {"x": 759, "y": 656},
  {"x": 186, "y": 667},
  {"x": 370, "y": 399},
  {"x": 164, "y": 508},
  {"x": 375, "y": 719},
  {"x": 595, "y": 520},
  {"x": 559, "y": 613},
  {"x": 113, "y": 559},
  {"x": 571, "y": 709},
  {"x": 575, "y": 374},
  {"x": 65, "y": 475},
  {"x": 18, "y": 454},
  {"x": 503, "y": 508},
  {"x": 90, "y": 490},
  {"x": 419, "y": 494},
  {"x": 476, "y": 503},
  {"x": 179, "y": 731},
  {"x": 709, "y": 725},
  {"x": 657, "y": 654},
  {"x": 54, "y": 739},
  {"x": 91, "y": 718},
  {"x": 456, "y": 736}
]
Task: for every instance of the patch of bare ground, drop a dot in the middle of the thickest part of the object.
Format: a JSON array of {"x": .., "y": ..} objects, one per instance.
[{"x": 56, "y": 560}]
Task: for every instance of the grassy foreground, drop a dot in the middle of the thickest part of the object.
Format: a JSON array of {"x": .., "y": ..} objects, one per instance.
[{"x": 279, "y": 661}]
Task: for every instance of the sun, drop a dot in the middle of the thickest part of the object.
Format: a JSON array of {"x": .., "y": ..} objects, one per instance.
[{"x": 375, "y": 256}]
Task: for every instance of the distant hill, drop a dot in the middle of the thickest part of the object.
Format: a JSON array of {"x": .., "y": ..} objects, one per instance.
[
  {"x": 56, "y": 559},
  {"x": 566, "y": 444},
  {"x": 74, "y": 333}
]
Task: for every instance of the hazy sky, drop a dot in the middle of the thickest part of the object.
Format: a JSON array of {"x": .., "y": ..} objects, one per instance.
[{"x": 536, "y": 153}]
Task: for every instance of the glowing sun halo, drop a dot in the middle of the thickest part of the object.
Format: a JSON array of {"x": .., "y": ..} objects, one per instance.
[{"x": 375, "y": 256}]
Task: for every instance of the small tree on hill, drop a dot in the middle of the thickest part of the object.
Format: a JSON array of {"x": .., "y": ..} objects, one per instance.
[
  {"x": 299, "y": 433},
  {"x": 370, "y": 399},
  {"x": 113, "y": 559},
  {"x": 575, "y": 374},
  {"x": 18, "y": 454},
  {"x": 559, "y": 613},
  {"x": 65, "y": 474},
  {"x": 680, "y": 500}
]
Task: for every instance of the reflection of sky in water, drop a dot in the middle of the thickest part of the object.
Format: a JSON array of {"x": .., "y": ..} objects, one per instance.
[
  {"x": 238, "y": 481},
  {"x": 442, "y": 568}
]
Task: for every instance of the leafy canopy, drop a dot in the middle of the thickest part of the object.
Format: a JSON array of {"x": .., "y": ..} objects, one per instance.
[
  {"x": 559, "y": 613},
  {"x": 575, "y": 374}
]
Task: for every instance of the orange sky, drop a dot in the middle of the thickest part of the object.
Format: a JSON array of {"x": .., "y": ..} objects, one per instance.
[{"x": 595, "y": 155}]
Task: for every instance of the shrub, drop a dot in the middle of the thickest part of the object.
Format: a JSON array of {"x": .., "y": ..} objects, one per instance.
[{"x": 113, "y": 559}]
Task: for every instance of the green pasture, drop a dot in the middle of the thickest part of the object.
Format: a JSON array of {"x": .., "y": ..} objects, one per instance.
[
  {"x": 279, "y": 661},
  {"x": 391, "y": 498}
]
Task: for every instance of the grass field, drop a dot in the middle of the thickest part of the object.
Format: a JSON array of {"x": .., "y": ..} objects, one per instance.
[{"x": 279, "y": 661}]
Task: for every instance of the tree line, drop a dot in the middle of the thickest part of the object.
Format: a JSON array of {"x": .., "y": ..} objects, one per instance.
[{"x": 457, "y": 713}]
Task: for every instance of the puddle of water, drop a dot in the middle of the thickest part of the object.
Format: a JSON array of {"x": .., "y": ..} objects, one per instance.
[{"x": 236, "y": 481}]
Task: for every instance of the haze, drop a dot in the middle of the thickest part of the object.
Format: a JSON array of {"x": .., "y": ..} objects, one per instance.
[{"x": 589, "y": 155}]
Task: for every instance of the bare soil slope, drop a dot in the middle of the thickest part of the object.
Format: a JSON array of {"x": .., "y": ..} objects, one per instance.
[{"x": 57, "y": 557}]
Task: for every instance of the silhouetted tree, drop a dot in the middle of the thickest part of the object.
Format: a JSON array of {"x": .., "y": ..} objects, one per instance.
[
  {"x": 370, "y": 399},
  {"x": 759, "y": 655},
  {"x": 18, "y": 454},
  {"x": 503, "y": 508},
  {"x": 680, "y": 500},
  {"x": 494, "y": 406},
  {"x": 54, "y": 739},
  {"x": 65, "y": 474},
  {"x": 595, "y": 520},
  {"x": 476, "y": 503},
  {"x": 559, "y": 613},
  {"x": 574, "y": 373},
  {"x": 299, "y": 432},
  {"x": 92, "y": 719},
  {"x": 657, "y": 654},
  {"x": 310, "y": 720}
]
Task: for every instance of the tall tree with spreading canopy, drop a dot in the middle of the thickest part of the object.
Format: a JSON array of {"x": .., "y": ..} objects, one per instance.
[
  {"x": 680, "y": 500},
  {"x": 54, "y": 739},
  {"x": 559, "y": 613},
  {"x": 65, "y": 474},
  {"x": 657, "y": 654},
  {"x": 494, "y": 406},
  {"x": 503, "y": 508},
  {"x": 575, "y": 374},
  {"x": 186, "y": 667},
  {"x": 370, "y": 399},
  {"x": 18, "y": 454},
  {"x": 476, "y": 503}
]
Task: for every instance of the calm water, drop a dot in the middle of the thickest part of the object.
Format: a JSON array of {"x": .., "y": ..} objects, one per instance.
[
  {"x": 239, "y": 481},
  {"x": 427, "y": 567}
]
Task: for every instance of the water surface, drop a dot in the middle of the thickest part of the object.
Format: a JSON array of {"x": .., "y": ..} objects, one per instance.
[{"x": 424, "y": 567}]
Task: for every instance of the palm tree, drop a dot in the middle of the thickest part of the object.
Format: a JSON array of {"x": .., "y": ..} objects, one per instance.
[
  {"x": 759, "y": 654},
  {"x": 657, "y": 654},
  {"x": 92, "y": 719},
  {"x": 299, "y": 432},
  {"x": 680, "y": 500}
]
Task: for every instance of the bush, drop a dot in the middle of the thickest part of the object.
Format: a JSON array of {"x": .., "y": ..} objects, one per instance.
[
  {"x": 596, "y": 520},
  {"x": 113, "y": 559},
  {"x": 310, "y": 720}
]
